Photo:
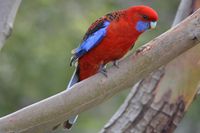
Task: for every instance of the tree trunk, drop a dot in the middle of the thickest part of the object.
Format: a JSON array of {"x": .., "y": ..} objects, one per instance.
[
  {"x": 8, "y": 10},
  {"x": 158, "y": 103}
]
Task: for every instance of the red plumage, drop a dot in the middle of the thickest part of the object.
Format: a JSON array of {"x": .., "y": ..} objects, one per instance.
[
  {"x": 121, "y": 36},
  {"x": 108, "y": 39}
]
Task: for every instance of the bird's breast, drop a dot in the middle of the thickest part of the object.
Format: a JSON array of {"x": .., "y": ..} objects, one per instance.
[{"x": 120, "y": 38}]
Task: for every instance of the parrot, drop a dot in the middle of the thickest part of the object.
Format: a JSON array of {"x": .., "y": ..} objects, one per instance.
[{"x": 108, "y": 39}]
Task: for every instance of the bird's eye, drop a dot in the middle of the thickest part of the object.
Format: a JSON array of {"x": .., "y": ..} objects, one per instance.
[{"x": 145, "y": 17}]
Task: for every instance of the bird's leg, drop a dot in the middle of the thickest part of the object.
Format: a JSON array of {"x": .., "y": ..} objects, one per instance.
[
  {"x": 103, "y": 70},
  {"x": 116, "y": 63}
]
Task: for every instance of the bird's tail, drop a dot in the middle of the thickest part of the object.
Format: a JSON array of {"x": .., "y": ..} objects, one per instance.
[{"x": 75, "y": 78}]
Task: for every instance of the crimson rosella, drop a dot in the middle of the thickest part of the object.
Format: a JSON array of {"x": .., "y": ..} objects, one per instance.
[{"x": 108, "y": 39}]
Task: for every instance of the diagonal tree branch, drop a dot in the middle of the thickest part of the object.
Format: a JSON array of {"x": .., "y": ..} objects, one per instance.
[
  {"x": 158, "y": 103},
  {"x": 8, "y": 10},
  {"x": 44, "y": 115}
]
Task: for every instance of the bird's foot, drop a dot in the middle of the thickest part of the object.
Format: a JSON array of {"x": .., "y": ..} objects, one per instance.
[
  {"x": 116, "y": 64},
  {"x": 103, "y": 70}
]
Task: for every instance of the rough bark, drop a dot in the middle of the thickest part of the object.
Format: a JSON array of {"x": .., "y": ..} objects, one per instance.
[
  {"x": 44, "y": 115},
  {"x": 141, "y": 114},
  {"x": 158, "y": 103},
  {"x": 8, "y": 10}
]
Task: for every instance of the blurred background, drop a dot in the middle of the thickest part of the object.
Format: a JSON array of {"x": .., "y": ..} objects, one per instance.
[{"x": 34, "y": 64}]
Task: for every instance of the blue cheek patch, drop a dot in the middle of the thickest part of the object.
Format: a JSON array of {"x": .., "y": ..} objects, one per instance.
[{"x": 142, "y": 26}]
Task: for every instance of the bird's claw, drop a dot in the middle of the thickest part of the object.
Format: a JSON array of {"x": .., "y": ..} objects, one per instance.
[
  {"x": 116, "y": 64},
  {"x": 104, "y": 73},
  {"x": 103, "y": 70}
]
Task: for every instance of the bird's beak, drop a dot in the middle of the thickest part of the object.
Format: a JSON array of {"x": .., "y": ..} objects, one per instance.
[{"x": 153, "y": 24}]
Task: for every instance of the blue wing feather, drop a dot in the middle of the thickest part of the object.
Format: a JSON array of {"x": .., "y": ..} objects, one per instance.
[{"x": 91, "y": 41}]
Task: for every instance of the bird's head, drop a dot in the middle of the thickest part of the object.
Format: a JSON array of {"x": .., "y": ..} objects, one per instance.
[{"x": 142, "y": 17}]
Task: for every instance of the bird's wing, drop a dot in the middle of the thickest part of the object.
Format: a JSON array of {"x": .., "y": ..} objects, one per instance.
[{"x": 96, "y": 32}]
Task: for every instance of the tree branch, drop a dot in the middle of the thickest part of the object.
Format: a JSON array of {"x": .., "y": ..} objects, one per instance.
[
  {"x": 158, "y": 103},
  {"x": 44, "y": 115},
  {"x": 8, "y": 10},
  {"x": 185, "y": 9}
]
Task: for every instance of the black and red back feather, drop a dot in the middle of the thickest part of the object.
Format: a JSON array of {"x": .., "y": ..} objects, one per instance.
[{"x": 98, "y": 24}]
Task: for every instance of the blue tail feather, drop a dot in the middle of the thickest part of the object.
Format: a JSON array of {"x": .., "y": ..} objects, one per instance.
[
  {"x": 70, "y": 122},
  {"x": 74, "y": 79}
]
